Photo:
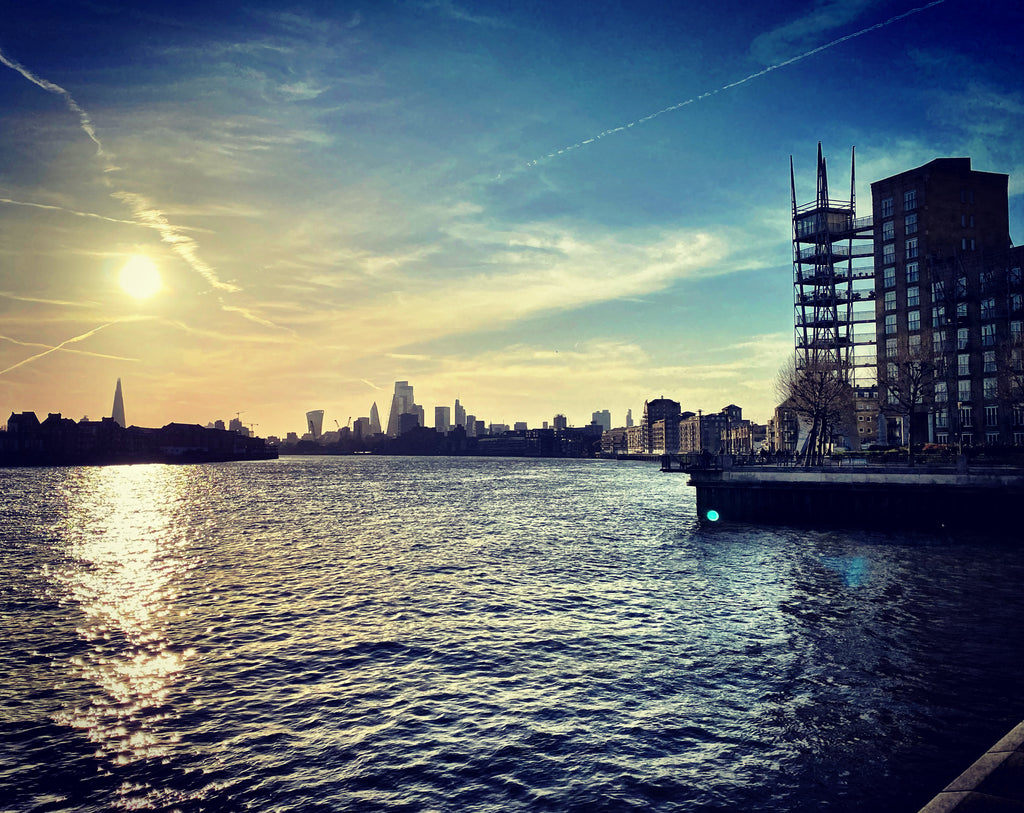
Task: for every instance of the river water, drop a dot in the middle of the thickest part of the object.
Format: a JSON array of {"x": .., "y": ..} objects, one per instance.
[{"x": 460, "y": 634}]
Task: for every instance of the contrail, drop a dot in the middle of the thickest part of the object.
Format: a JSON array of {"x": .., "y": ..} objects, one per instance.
[
  {"x": 76, "y": 213},
  {"x": 90, "y": 353},
  {"x": 60, "y": 346},
  {"x": 737, "y": 83},
  {"x": 50, "y": 87},
  {"x": 145, "y": 215}
]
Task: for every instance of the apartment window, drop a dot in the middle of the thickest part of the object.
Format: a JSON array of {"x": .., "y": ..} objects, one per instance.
[
  {"x": 991, "y": 438},
  {"x": 990, "y": 361},
  {"x": 962, "y": 338},
  {"x": 990, "y": 387},
  {"x": 890, "y": 348},
  {"x": 1016, "y": 328},
  {"x": 984, "y": 281},
  {"x": 942, "y": 438},
  {"x": 1015, "y": 276},
  {"x": 961, "y": 310},
  {"x": 941, "y": 396},
  {"x": 991, "y": 416},
  {"x": 940, "y": 365},
  {"x": 1018, "y": 416},
  {"x": 961, "y": 286},
  {"x": 967, "y": 245},
  {"x": 913, "y": 320},
  {"x": 890, "y": 300},
  {"x": 890, "y": 323},
  {"x": 914, "y": 345},
  {"x": 1018, "y": 438},
  {"x": 910, "y": 224},
  {"x": 886, "y": 207},
  {"x": 938, "y": 290},
  {"x": 988, "y": 335},
  {"x": 963, "y": 389},
  {"x": 938, "y": 315},
  {"x": 910, "y": 200},
  {"x": 912, "y": 272},
  {"x": 910, "y": 248},
  {"x": 893, "y": 396},
  {"x": 889, "y": 276},
  {"x": 892, "y": 371},
  {"x": 1016, "y": 359},
  {"x": 913, "y": 296},
  {"x": 963, "y": 364},
  {"x": 938, "y": 341},
  {"x": 889, "y": 253},
  {"x": 966, "y": 419},
  {"x": 941, "y": 419},
  {"x": 1016, "y": 301},
  {"x": 988, "y": 308},
  {"x": 888, "y": 231},
  {"x": 966, "y": 439}
]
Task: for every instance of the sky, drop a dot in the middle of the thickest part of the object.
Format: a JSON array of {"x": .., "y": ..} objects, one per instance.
[{"x": 533, "y": 207}]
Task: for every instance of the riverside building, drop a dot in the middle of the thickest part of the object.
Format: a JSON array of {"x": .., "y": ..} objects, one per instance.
[{"x": 950, "y": 306}]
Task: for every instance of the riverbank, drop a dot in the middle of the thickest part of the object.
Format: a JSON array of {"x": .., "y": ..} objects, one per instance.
[
  {"x": 922, "y": 498},
  {"x": 994, "y": 782}
]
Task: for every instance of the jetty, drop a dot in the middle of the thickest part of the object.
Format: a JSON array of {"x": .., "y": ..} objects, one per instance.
[{"x": 923, "y": 497}]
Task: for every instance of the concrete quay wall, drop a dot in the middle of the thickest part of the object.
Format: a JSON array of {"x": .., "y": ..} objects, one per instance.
[
  {"x": 991, "y": 500},
  {"x": 995, "y": 782}
]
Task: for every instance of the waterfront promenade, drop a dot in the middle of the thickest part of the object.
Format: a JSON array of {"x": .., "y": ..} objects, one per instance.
[{"x": 979, "y": 497}]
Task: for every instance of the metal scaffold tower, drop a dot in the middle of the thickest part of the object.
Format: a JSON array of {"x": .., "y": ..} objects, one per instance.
[{"x": 833, "y": 280}]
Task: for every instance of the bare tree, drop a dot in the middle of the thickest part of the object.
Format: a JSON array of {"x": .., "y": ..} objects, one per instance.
[
  {"x": 902, "y": 387},
  {"x": 820, "y": 393}
]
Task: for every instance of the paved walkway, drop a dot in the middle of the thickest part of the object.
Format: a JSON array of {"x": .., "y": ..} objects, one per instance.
[{"x": 994, "y": 783}]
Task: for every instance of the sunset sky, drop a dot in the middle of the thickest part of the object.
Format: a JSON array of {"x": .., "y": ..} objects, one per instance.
[{"x": 534, "y": 207}]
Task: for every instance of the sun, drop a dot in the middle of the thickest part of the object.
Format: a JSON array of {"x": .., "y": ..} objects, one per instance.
[{"x": 140, "y": 277}]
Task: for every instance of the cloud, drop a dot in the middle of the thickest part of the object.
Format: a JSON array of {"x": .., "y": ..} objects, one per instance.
[{"x": 801, "y": 33}]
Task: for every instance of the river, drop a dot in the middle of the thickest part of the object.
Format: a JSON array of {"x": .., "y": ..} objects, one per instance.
[{"x": 473, "y": 634}]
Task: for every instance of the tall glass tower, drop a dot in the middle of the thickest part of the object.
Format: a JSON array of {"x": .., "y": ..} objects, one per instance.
[{"x": 118, "y": 410}]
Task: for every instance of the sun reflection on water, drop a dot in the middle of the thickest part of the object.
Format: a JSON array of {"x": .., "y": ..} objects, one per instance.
[{"x": 123, "y": 560}]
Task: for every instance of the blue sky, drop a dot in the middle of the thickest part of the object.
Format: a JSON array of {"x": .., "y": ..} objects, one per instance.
[{"x": 532, "y": 207}]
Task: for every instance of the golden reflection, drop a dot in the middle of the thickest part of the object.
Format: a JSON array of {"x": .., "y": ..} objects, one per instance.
[{"x": 121, "y": 574}]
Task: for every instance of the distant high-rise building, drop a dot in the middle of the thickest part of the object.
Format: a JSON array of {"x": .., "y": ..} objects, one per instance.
[
  {"x": 118, "y": 411},
  {"x": 374, "y": 420},
  {"x": 460, "y": 414},
  {"x": 602, "y": 418},
  {"x": 471, "y": 426},
  {"x": 442, "y": 419},
  {"x": 629, "y": 418},
  {"x": 219, "y": 425},
  {"x": 561, "y": 422},
  {"x": 520, "y": 426},
  {"x": 401, "y": 404},
  {"x": 315, "y": 423}
]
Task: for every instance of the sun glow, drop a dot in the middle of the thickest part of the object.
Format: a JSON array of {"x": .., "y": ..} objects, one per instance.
[{"x": 140, "y": 277}]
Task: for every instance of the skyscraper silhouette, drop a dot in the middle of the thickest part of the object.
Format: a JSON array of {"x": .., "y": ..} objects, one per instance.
[
  {"x": 118, "y": 410},
  {"x": 401, "y": 404},
  {"x": 374, "y": 420}
]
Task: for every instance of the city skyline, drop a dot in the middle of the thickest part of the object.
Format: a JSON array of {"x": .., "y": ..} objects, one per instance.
[{"x": 540, "y": 209}]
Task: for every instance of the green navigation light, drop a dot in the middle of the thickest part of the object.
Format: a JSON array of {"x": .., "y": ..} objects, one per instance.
[{"x": 713, "y": 515}]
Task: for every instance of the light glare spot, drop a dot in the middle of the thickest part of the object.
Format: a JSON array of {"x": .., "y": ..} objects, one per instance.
[{"x": 139, "y": 277}]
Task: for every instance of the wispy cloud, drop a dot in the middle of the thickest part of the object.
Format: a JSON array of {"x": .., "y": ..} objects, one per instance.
[{"x": 143, "y": 210}]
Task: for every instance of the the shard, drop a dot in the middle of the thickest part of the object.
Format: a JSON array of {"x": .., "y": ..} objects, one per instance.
[{"x": 118, "y": 410}]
